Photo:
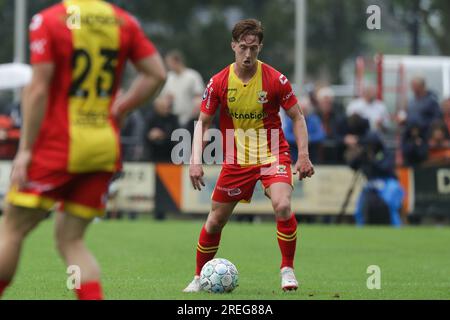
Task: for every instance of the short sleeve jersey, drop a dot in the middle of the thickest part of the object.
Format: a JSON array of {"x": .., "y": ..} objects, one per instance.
[
  {"x": 88, "y": 42},
  {"x": 249, "y": 114}
]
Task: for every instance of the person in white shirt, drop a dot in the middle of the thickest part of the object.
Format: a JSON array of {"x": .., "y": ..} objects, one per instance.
[
  {"x": 370, "y": 108},
  {"x": 185, "y": 86}
]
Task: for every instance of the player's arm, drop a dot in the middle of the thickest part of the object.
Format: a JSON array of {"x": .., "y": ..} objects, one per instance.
[
  {"x": 196, "y": 169},
  {"x": 34, "y": 103},
  {"x": 149, "y": 82},
  {"x": 303, "y": 166},
  {"x": 209, "y": 105}
]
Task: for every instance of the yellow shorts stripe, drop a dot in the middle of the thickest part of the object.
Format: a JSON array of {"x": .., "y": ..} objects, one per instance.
[
  {"x": 29, "y": 200},
  {"x": 83, "y": 212}
]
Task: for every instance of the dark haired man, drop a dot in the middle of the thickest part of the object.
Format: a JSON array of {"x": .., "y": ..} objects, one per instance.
[{"x": 255, "y": 148}]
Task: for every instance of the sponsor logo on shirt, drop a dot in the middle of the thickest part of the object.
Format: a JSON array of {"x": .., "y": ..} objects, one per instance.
[
  {"x": 208, "y": 104},
  {"x": 283, "y": 79},
  {"x": 38, "y": 46},
  {"x": 36, "y": 22},
  {"x": 282, "y": 170},
  {"x": 231, "y": 192},
  {"x": 288, "y": 96},
  {"x": 248, "y": 116},
  {"x": 231, "y": 91},
  {"x": 207, "y": 94}
]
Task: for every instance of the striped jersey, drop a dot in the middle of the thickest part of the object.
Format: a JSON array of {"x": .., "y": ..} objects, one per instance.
[
  {"x": 249, "y": 114},
  {"x": 89, "y": 43}
]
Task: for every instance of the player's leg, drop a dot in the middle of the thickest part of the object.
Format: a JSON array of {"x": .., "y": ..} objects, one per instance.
[
  {"x": 84, "y": 202},
  {"x": 209, "y": 240},
  {"x": 233, "y": 185},
  {"x": 16, "y": 224},
  {"x": 69, "y": 233},
  {"x": 280, "y": 195}
]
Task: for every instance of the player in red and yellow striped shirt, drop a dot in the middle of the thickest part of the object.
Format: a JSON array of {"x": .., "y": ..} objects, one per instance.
[
  {"x": 250, "y": 94},
  {"x": 70, "y": 146}
]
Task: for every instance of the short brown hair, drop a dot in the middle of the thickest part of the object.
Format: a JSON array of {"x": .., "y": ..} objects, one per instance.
[{"x": 248, "y": 27}]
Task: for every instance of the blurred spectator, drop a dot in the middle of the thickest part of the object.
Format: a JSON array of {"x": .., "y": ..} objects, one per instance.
[
  {"x": 312, "y": 95},
  {"x": 330, "y": 118},
  {"x": 16, "y": 115},
  {"x": 424, "y": 108},
  {"x": 414, "y": 144},
  {"x": 327, "y": 112},
  {"x": 370, "y": 108},
  {"x": 14, "y": 111},
  {"x": 438, "y": 144},
  {"x": 9, "y": 137},
  {"x": 446, "y": 112},
  {"x": 378, "y": 165},
  {"x": 186, "y": 87},
  {"x": 350, "y": 132},
  {"x": 131, "y": 137},
  {"x": 316, "y": 133},
  {"x": 160, "y": 125}
]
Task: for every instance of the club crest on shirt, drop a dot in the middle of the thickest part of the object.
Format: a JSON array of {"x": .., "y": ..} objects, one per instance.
[
  {"x": 262, "y": 97},
  {"x": 282, "y": 170}
]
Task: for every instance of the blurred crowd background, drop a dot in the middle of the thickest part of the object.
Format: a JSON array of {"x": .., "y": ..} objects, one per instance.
[
  {"x": 195, "y": 40},
  {"x": 349, "y": 121}
]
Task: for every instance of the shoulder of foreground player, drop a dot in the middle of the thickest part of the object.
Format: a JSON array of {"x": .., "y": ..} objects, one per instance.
[{"x": 54, "y": 12}]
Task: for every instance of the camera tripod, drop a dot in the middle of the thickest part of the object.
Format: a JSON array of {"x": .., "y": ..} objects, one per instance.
[{"x": 342, "y": 212}]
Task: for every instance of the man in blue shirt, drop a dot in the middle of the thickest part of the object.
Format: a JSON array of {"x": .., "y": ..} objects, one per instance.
[{"x": 316, "y": 132}]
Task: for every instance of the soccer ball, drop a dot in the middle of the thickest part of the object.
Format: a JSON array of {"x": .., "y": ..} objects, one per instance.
[{"x": 219, "y": 276}]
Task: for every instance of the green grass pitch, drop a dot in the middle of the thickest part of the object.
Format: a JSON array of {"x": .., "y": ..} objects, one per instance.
[{"x": 150, "y": 260}]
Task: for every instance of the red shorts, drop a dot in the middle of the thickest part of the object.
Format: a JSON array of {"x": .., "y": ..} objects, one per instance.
[
  {"x": 83, "y": 195},
  {"x": 237, "y": 184}
]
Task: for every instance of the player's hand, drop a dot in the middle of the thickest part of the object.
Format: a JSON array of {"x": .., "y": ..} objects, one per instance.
[
  {"x": 20, "y": 165},
  {"x": 196, "y": 174},
  {"x": 304, "y": 167},
  {"x": 156, "y": 134},
  {"x": 117, "y": 109},
  {"x": 119, "y": 117},
  {"x": 351, "y": 140}
]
